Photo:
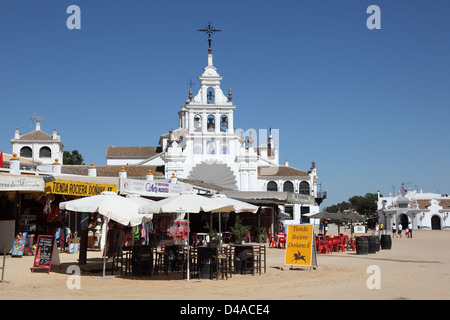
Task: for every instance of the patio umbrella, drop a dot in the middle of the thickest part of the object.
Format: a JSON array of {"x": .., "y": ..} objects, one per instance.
[
  {"x": 353, "y": 216},
  {"x": 112, "y": 206},
  {"x": 325, "y": 215},
  {"x": 238, "y": 206},
  {"x": 186, "y": 202}
]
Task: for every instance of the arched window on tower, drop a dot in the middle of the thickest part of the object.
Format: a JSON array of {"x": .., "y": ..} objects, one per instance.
[
  {"x": 197, "y": 122},
  {"x": 288, "y": 186},
  {"x": 272, "y": 186},
  {"x": 210, "y": 95},
  {"x": 211, "y": 123},
  {"x": 26, "y": 152},
  {"x": 224, "y": 123},
  {"x": 304, "y": 188},
  {"x": 45, "y": 152}
]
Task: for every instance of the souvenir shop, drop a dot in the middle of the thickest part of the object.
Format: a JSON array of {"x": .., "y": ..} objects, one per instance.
[{"x": 163, "y": 229}]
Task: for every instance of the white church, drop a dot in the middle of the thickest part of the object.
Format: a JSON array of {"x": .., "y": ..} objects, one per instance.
[
  {"x": 424, "y": 210},
  {"x": 207, "y": 147}
]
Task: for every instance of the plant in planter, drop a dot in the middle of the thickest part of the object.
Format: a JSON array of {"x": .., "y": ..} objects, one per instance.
[
  {"x": 213, "y": 235},
  {"x": 239, "y": 230},
  {"x": 262, "y": 234}
]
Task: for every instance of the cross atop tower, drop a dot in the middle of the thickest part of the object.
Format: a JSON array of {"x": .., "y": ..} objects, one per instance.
[{"x": 209, "y": 30}]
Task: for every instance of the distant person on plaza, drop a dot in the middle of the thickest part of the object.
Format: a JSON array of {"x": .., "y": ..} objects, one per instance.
[
  {"x": 400, "y": 227},
  {"x": 394, "y": 234},
  {"x": 407, "y": 232},
  {"x": 320, "y": 227},
  {"x": 377, "y": 228},
  {"x": 410, "y": 229}
]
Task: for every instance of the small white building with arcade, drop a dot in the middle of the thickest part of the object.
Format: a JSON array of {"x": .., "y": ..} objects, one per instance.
[{"x": 425, "y": 211}]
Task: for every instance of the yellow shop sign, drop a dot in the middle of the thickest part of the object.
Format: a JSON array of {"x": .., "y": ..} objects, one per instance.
[
  {"x": 76, "y": 188},
  {"x": 299, "y": 245}
]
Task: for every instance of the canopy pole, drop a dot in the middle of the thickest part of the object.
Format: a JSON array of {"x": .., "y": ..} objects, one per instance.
[
  {"x": 104, "y": 254},
  {"x": 188, "y": 247}
]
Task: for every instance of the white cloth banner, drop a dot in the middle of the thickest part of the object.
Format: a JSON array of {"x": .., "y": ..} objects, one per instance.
[
  {"x": 21, "y": 183},
  {"x": 152, "y": 188}
]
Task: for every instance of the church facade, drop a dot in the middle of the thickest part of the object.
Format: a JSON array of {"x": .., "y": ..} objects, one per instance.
[{"x": 207, "y": 147}]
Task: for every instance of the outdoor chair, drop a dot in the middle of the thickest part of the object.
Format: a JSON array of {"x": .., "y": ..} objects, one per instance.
[
  {"x": 323, "y": 245},
  {"x": 281, "y": 240},
  {"x": 221, "y": 264},
  {"x": 249, "y": 236},
  {"x": 162, "y": 262},
  {"x": 262, "y": 257},
  {"x": 193, "y": 262},
  {"x": 249, "y": 263},
  {"x": 227, "y": 237},
  {"x": 273, "y": 240},
  {"x": 118, "y": 263}
]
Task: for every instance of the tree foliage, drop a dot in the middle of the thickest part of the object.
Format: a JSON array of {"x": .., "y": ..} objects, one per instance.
[
  {"x": 72, "y": 158},
  {"x": 363, "y": 205}
]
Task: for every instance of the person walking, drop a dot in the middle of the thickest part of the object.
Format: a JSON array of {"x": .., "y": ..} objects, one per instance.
[
  {"x": 400, "y": 227},
  {"x": 410, "y": 230},
  {"x": 394, "y": 233}
]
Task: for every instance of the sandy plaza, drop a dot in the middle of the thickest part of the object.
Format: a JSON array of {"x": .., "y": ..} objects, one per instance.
[{"x": 416, "y": 268}]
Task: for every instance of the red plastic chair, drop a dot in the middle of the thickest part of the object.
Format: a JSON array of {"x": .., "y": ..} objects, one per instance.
[
  {"x": 323, "y": 245},
  {"x": 249, "y": 236},
  {"x": 227, "y": 237},
  {"x": 351, "y": 243},
  {"x": 340, "y": 244},
  {"x": 272, "y": 240},
  {"x": 281, "y": 240}
]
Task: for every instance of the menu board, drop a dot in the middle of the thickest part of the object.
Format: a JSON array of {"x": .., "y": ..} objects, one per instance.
[{"x": 46, "y": 250}]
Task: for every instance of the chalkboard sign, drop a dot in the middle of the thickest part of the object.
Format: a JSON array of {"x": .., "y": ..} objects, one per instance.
[{"x": 46, "y": 250}]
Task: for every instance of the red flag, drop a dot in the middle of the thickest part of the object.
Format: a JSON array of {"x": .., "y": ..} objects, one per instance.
[{"x": 1, "y": 159}]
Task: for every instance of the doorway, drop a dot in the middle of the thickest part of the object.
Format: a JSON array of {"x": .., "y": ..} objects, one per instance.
[
  {"x": 435, "y": 223},
  {"x": 404, "y": 221}
]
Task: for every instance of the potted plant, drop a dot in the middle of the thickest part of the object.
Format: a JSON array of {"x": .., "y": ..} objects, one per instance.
[
  {"x": 262, "y": 234},
  {"x": 214, "y": 236},
  {"x": 239, "y": 230}
]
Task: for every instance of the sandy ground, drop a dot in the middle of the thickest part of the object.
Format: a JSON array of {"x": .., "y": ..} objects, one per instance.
[{"x": 417, "y": 268}]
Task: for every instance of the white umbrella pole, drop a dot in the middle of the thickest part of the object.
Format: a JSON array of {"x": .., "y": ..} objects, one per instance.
[
  {"x": 104, "y": 254},
  {"x": 188, "y": 258},
  {"x": 104, "y": 250},
  {"x": 220, "y": 231}
]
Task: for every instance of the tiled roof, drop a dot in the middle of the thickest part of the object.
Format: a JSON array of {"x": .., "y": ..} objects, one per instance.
[
  {"x": 133, "y": 171},
  {"x": 281, "y": 171},
  {"x": 444, "y": 203},
  {"x": 35, "y": 135},
  {"x": 423, "y": 204},
  {"x": 132, "y": 152}
]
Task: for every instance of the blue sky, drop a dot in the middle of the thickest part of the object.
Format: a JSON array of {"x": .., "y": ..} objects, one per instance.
[{"x": 370, "y": 107}]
